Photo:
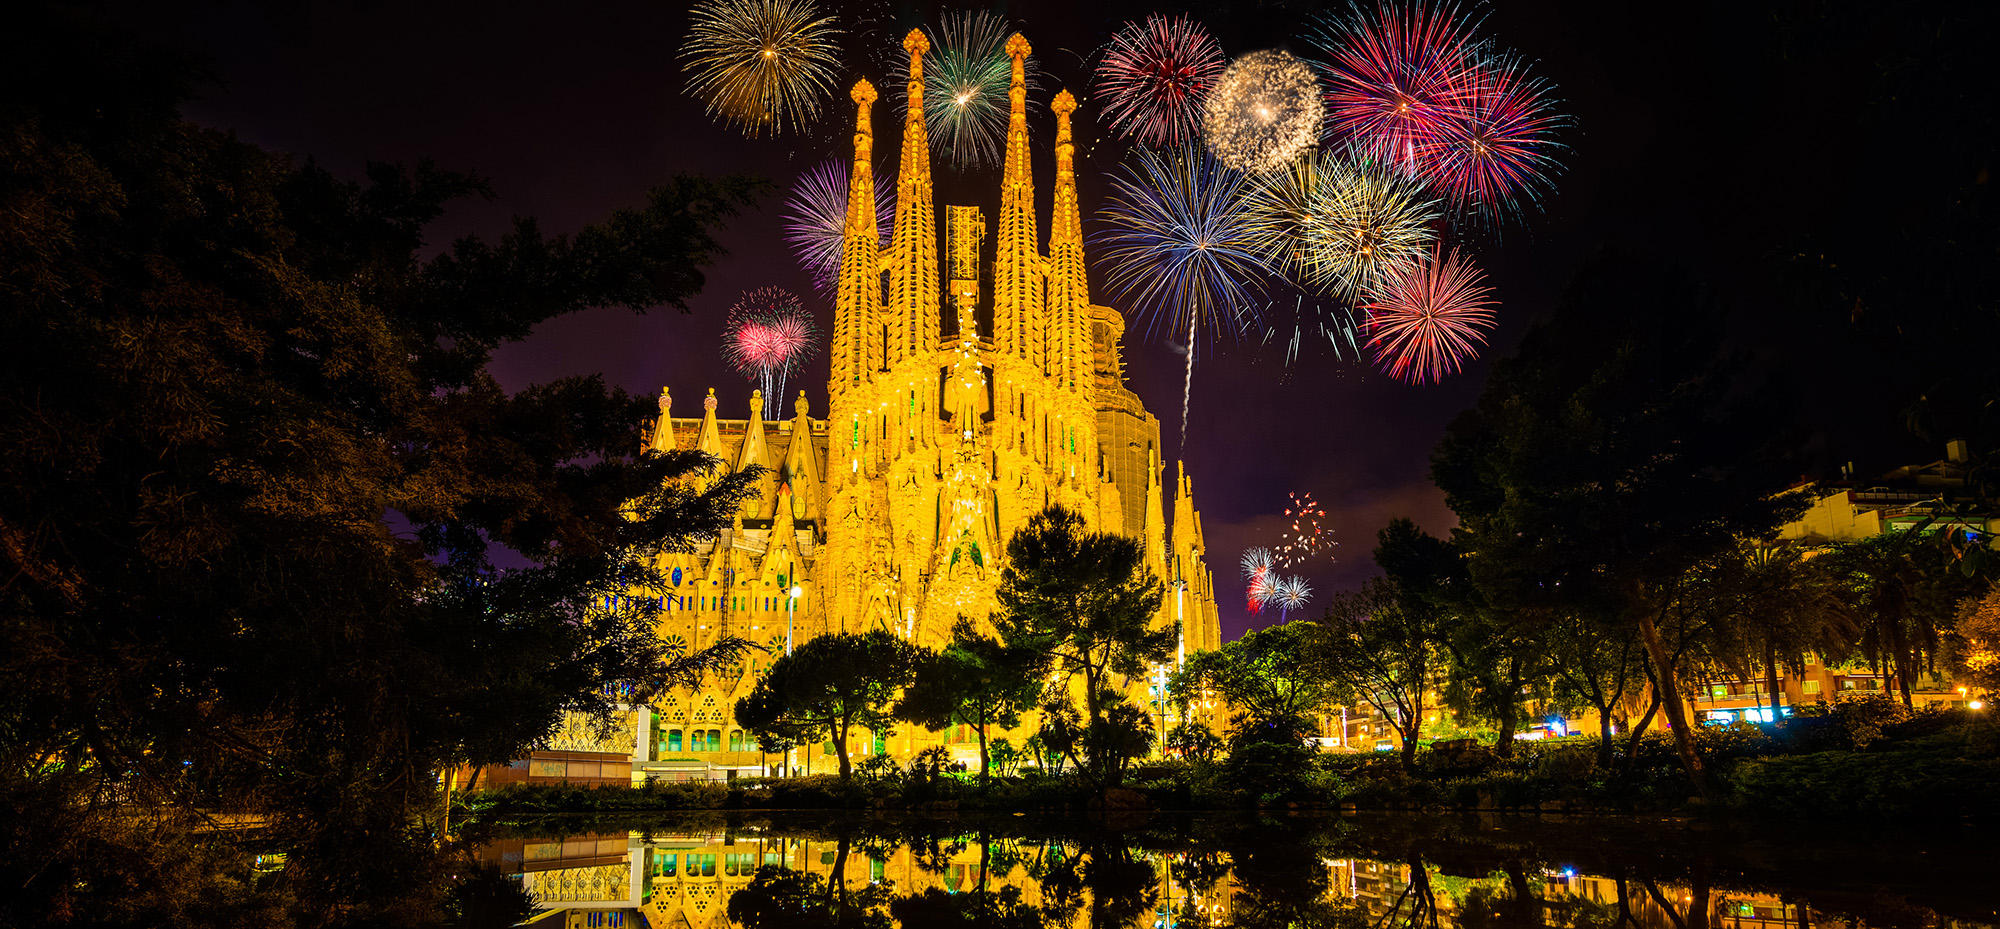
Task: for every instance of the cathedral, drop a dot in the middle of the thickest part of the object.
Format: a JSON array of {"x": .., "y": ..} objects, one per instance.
[{"x": 966, "y": 395}]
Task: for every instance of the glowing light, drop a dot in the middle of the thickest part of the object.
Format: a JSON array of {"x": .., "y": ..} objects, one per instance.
[
  {"x": 1498, "y": 147},
  {"x": 1427, "y": 322},
  {"x": 1264, "y": 112},
  {"x": 1153, "y": 77},
  {"x": 762, "y": 66}
]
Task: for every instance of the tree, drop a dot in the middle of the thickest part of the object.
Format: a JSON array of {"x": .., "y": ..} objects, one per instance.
[
  {"x": 827, "y": 686},
  {"x": 223, "y": 376},
  {"x": 975, "y": 681},
  {"x": 1086, "y": 601},
  {"x": 1900, "y": 592},
  {"x": 1976, "y": 641},
  {"x": 1761, "y": 607},
  {"x": 1384, "y": 653},
  {"x": 1600, "y": 664},
  {"x": 1267, "y": 673},
  {"x": 1620, "y": 448}
]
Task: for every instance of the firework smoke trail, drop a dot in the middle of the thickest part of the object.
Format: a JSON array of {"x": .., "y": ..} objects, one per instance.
[
  {"x": 1427, "y": 322},
  {"x": 1264, "y": 112},
  {"x": 816, "y": 219},
  {"x": 760, "y": 65},
  {"x": 1395, "y": 77},
  {"x": 769, "y": 335},
  {"x": 1153, "y": 77},
  {"x": 1174, "y": 243}
]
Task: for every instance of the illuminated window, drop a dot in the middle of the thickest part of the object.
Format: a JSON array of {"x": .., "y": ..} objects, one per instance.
[
  {"x": 666, "y": 865},
  {"x": 673, "y": 740},
  {"x": 1811, "y": 687},
  {"x": 735, "y": 740},
  {"x": 701, "y": 865}
]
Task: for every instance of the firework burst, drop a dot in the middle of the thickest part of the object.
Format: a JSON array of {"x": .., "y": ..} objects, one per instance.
[
  {"x": 816, "y": 219},
  {"x": 1287, "y": 594},
  {"x": 1371, "y": 225},
  {"x": 1176, "y": 244},
  {"x": 1264, "y": 112},
  {"x": 1257, "y": 576},
  {"x": 769, "y": 335},
  {"x": 1306, "y": 534},
  {"x": 1427, "y": 322},
  {"x": 1395, "y": 77},
  {"x": 1300, "y": 321},
  {"x": 1281, "y": 209},
  {"x": 1499, "y": 148},
  {"x": 966, "y": 79},
  {"x": 762, "y": 66},
  {"x": 1153, "y": 77}
]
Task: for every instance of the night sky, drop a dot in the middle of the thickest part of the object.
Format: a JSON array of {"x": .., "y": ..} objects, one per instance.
[{"x": 1723, "y": 140}]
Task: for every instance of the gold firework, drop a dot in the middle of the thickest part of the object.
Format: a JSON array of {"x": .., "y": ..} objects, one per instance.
[
  {"x": 1263, "y": 113},
  {"x": 1281, "y": 213},
  {"x": 1372, "y": 225},
  {"x": 760, "y": 65}
]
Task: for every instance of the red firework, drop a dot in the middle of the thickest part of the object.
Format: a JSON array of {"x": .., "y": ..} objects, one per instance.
[
  {"x": 1429, "y": 320},
  {"x": 1153, "y": 76},
  {"x": 1306, "y": 534},
  {"x": 1500, "y": 145},
  {"x": 1395, "y": 79}
]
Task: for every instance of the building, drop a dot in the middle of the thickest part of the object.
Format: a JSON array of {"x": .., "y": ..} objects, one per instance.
[{"x": 967, "y": 393}]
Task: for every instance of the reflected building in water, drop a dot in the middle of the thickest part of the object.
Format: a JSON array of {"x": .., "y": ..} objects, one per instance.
[{"x": 690, "y": 879}]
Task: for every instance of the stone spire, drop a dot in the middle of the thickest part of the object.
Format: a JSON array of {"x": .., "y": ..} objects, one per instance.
[
  {"x": 1069, "y": 291},
  {"x": 912, "y": 315},
  {"x": 857, "y": 304},
  {"x": 1017, "y": 305}
]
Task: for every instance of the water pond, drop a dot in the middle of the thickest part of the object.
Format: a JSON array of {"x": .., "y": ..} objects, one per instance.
[{"x": 1367, "y": 871}]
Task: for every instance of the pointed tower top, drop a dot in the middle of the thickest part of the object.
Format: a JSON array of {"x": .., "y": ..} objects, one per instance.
[
  {"x": 1017, "y": 46},
  {"x": 1064, "y": 104},
  {"x": 863, "y": 92},
  {"x": 799, "y": 407},
  {"x": 916, "y": 44},
  {"x": 709, "y": 403},
  {"x": 666, "y": 401}
]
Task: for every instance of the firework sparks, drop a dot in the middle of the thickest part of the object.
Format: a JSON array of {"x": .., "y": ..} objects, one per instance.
[
  {"x": 1427, "y": 322},
  {"x": 1176, "y": 245},
  {"x": 1264, "y": 112},
  {"x": 816, "y": 219},
  {"x": 1300, "y": 321},
  {"x": 769, "y": 336},
  {"x": 966, "y": 78},
  {"x": 760, "y": 65},
  {"x": 1499, "y": 146},
  {"x": 1153, "y": 77},
  {"x": 1282, "y": 210},
  {"x": 1306, "y": 534},
  {"x": 1372, "y": 225},
  {"x": 1395, "y": 77}
]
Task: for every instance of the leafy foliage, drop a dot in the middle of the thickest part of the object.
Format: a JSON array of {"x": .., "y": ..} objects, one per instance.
[{"x": 825, "y": 688}]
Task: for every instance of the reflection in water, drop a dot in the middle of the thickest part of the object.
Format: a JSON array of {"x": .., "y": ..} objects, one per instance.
[{"x": 767, "y": 872}]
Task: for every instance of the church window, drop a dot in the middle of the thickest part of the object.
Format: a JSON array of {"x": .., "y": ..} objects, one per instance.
[
  {"x": 665, "y": 865},
  {"x": 673, "y": 740},
  {"x": 715, "y": 740},
  {"x": 735, "y": 740}
]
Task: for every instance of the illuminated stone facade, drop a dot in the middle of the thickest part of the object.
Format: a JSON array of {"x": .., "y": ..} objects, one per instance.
[{"x": 965, "y": 396}]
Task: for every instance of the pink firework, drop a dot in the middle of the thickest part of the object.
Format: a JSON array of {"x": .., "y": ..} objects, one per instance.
[
  {"x": 1153, "y": 76},
  {"x": 769, "y": 336},
  {"x": 1395, "y": 79},
  {"x": 1306, "y": 534},
  {"x": 1499, "y": 146},
  {"x": 1429, "y": 320}
]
